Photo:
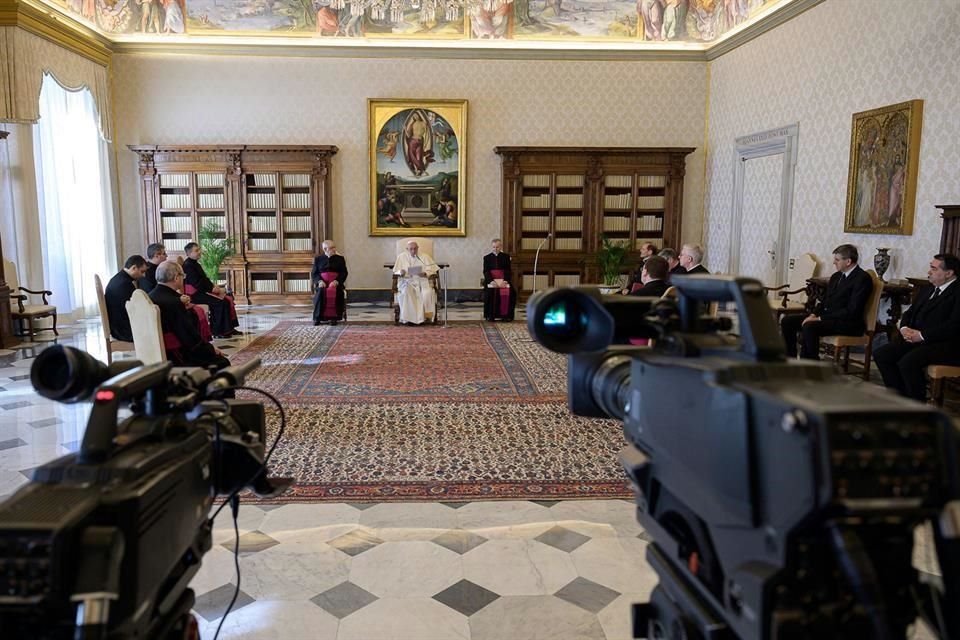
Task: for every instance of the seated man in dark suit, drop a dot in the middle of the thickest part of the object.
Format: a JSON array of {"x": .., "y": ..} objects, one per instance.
[
  {"x": 691, "y": 255},
  {"x": 329, "y": 287},
  {"x": 841, "y": 311},
  {"x": 175, "y": 320},
  {"x": 654, "y": 277},
  {"x": 156, "y": 254},
  {"x": 930, "y": 329},
  {"x": 223, "y": 315},
  {"x": 673, "y": 261},
  {"x": 118, "y": 291},
  {"x": 499, "y": 294}
]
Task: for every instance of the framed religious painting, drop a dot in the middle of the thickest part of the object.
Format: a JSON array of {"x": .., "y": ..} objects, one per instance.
[
  {"x": 884, "y": 162},
  {"x": 418, "y": 152}
]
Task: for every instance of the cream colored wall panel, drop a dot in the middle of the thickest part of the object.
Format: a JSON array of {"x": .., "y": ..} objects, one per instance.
[
  {"x": 841, "y": 57},
  {"x": 209, "y": 100}
]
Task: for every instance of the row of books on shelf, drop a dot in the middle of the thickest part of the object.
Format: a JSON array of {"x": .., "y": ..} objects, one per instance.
[
  {"x": 560, "y": 223},
  {"x": 651, "y": 181},
  {"x": 617, "y": 223},
  {"x": 543, "y": 281},
  {"x": 270, "y": 285},
  {"x": 262, "y": 179},
  {"x": 174, "y": 180},
  {"x": 642, "y": 241},
  {"x": 566, "y": 279},
  {"x": 649, "y": 202},
  {"x": 296, "y": 201},
  {"x": 569, "y": 181},
  {"x": 210, "y": 180},
  {"x": 296, "y": 223},
  {"x": 559, "y": 244},
  {"x": 569, "y": 201},
  {"x": 535, "y": 223},
  {"x": 618, "y": 181},
  {"x": 621, "y": 201},
  {"x": 297, "y": 286},
  {"x": 261, "y": 201},
  {"x": 174, "y": 200},
  {"x": 568, "y": 223},
  {"x": 217, "y": 223},
  {"x": 536, "y": 181},
  {"x": 175, "y": 244},
  {"x": 210, "y": 200},
  {"x": 264, "y": 244},
  {"x": 296, "y": 179},
  {"x": 297, "y": 244},
  {"x": 262, "y": 224},
  {"x": 537, "y": 202},
  {"x": 176, "y": 224},
  {"x": 649, "y": 223}
]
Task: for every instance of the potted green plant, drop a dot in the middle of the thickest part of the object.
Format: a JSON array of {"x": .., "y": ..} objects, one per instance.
[
  {"x": 214, "y": 249},
  {"x": 611, "y": 258}
]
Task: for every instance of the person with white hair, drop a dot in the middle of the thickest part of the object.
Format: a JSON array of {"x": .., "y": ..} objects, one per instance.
[
  {"x": 329, "y": 275},
  {"x": 691, "y": 255},
  {"x": 415, "y": 293},
  {"x": 181, "y": 336}
]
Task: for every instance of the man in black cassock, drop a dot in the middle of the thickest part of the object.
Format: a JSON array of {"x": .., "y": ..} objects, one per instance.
[
  {"x": 223, "y": 316},
  {"x": 118, "y": 291},
  {"x": 156, "y": 253},
  {"x": 175, "y": 319},
  {"x": 497, "y": 260},
  {"x": 329, "y": 263}
]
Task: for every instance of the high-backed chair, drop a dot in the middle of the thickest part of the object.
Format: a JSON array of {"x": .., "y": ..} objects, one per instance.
[
  {"x": 425, "y": 245},
  {"x": 147, "y": 332},
  {"x": 843, "y": 343},
  {"x": 111, "y": 343},
  {"x": 792, "y": 296},
  {"x": 24, "y": 315}
]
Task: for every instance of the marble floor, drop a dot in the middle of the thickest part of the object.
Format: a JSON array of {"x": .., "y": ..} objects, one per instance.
[
  {"x": 520, "y": 570},
  {"x": 409, "y": 571}
]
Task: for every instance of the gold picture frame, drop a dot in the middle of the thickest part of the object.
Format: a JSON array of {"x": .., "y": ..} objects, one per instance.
[
  {"x": 884, "y": 164},
  {"x": 418, "y": 160}
]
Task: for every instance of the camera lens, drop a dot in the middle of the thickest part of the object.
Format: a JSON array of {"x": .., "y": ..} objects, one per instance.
[{"x": 66, "y": 374}]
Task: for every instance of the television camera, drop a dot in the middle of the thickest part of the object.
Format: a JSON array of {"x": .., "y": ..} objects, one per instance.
[
  {"x": 782, "y": 499},
  {"x": 104, "y": 542}
]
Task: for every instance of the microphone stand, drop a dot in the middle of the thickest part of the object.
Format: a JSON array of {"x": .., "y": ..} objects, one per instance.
[{"x": 536, "y": 258}]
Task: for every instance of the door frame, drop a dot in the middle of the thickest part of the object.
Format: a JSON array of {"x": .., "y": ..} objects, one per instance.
[{"x": 782, "y": 140}]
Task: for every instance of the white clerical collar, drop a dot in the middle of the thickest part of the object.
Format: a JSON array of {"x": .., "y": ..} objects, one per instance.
[
  {"x": 849, "y": 271},
  {"x": 943, "y": 287}
]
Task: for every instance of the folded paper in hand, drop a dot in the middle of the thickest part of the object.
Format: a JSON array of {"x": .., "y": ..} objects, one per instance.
[{"x": 415, "y": 270}]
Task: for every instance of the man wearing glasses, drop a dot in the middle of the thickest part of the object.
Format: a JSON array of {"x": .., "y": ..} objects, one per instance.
[
  {"x": 181, "y": 337},
  {"x": 840, "y": 313}
]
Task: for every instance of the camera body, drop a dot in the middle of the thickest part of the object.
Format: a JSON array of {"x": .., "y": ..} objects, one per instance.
[
  {"x": 781, "y": 498},
  {"x": 104, "y": 542}
]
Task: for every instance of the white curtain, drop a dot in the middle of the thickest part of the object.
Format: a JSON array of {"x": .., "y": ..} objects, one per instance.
[{"x": 74, "y": 197}]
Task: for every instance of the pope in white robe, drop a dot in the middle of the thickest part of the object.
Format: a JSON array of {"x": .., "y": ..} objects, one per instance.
[{"x": 415, "y": 294}]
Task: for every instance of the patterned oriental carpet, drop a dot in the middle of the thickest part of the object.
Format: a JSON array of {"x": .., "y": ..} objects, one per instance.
[{"x": 378, "y": 412}]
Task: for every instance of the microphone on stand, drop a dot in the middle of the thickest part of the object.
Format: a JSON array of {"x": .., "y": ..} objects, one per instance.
[{"x": 536, "y": 258}]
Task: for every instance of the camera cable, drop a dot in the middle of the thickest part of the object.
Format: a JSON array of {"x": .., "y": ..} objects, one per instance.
[{"x": 234, "y": 498}]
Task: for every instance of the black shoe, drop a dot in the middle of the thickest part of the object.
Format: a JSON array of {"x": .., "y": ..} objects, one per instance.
[
  {"x": 235, "y": 332},
  {"x": 316, "y": 323}
]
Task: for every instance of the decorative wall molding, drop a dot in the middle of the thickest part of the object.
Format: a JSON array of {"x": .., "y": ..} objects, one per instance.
[
  {"x": 47, "y": 23},
  {"x": 759, "y": 28}
]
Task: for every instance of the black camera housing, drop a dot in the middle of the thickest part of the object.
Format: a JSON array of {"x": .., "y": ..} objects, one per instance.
[{"x": 781, "y": 497}]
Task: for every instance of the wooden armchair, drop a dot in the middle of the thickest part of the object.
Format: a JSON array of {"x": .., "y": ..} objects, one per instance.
[
  {"x": 24, "y": 315},
  {"x": 792, "y": 296},
  {"x": 425, "y": 246},
  {"x": 842, "y": 344},
  {"x": 111, "y": 343}
]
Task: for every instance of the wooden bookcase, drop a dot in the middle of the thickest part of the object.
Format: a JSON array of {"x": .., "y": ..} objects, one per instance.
[
  {"x": 274, "y": 200},
  {"x": 565, "y": 198}
]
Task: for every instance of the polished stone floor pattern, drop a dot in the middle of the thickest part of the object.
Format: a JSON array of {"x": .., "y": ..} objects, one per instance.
[
  {"x": 403, "y": 571},
  {"x": 517, "y": 570}
]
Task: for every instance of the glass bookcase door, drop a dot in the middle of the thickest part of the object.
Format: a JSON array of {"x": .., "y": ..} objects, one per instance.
[
  {"x": 177, "y": 223},
  {"x": 568, "y": 212},
  {"x": 295, "y": 210},
  {"x": 263, "y": 232},
  {"x": 651, "y": 203}
]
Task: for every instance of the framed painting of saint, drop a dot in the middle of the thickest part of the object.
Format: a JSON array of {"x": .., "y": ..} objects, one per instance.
[
  {"x": 884, "y": 163},
  {"x": 418, "y": 151}
]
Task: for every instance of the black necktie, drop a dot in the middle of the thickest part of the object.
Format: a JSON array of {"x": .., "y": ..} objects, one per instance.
[{"x": 936, "y": 293}]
